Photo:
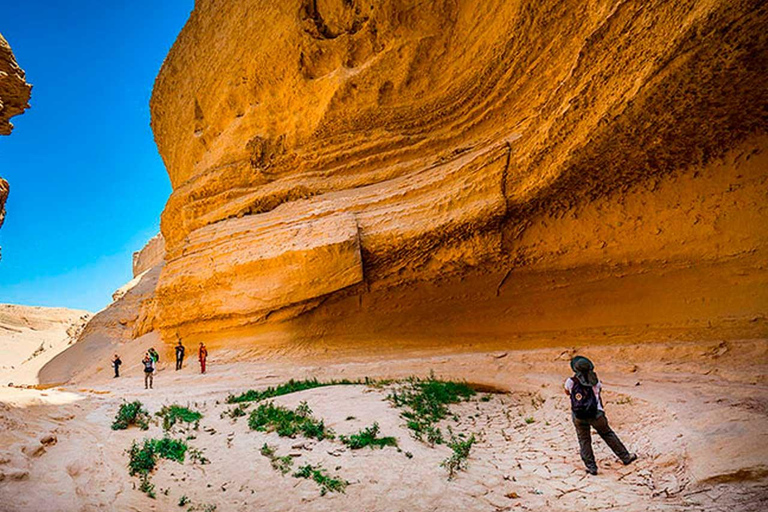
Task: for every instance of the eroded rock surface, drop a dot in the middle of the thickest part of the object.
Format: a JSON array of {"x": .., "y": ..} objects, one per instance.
[
  {"x": 14, "y": 99},
  {"x": 585, "y": 156},
  {"x": 152, "y": 254}
]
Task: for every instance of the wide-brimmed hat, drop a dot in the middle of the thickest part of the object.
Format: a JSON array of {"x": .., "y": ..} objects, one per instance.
[{"x": 584, "y": 370}]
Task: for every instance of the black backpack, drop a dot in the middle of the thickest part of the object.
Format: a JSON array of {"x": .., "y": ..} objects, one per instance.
[{"x": 583, "y": 400}]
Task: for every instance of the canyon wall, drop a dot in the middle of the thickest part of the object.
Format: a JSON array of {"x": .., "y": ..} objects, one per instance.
[
  {"x": 152, "y": 254},
  {"x": 14, "y": 99},
  {"x": 397, "y": 173}
]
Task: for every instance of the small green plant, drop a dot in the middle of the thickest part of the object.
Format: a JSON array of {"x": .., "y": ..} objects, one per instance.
[
  {"x": 529, "y": 419},
  {"x": 183, "y": 500},
  {"x": 142, "y": 459},
  {"x": 320, "y": 476},
  {"x": 458, "y": 460},
  {"x": 236, "y": 412},
  {"x": 287, "y": 423},
  {"x": 292, "y": 386},
  {"x": 425, "y": 402},
  {"x": 147, "y": 487},
  {"x": 172, "y": 414},
  {"x": 281, "y": 464},
  {"x": 131, "y": 414},
  {"x": 486, "y": 398},
  {"x": 624, "y": 400},
  {"x": 368, "y": 437},
  {"x": 197, "y": 457}
]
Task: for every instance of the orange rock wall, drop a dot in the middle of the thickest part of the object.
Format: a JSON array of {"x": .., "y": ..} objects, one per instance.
[{"x": 352, "y": 171}]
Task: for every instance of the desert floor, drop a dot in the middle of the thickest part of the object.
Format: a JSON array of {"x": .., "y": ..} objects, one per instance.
[{"x": 695, "y": 413}]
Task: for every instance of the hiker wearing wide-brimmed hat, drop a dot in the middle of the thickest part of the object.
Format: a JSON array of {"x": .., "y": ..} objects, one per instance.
[{"x": 587, "y": 412}]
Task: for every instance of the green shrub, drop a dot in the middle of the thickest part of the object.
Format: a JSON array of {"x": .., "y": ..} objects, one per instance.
[
  {"x": 287, "y": 423},
  {"x": 458, "y": 460},
  {"x": 131, "y": 414},
  {"x": 292, "y": 386},
  {"x": 426, "y": 402},
  {"x": 172, "y": 414},
  {"x": 183, "y": 500},
  {"x": 368, "y": 437},
  {"x": 142, "y": 458},
  {"x": 318, "y": 474}
]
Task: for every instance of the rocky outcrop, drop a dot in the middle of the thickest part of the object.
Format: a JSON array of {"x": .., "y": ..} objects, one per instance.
[
  {"x": 152, "y": 254},
  {"x": 14, "y": 90},
  {"x": 392, "y": 171},
  {"x": 14, "y": 99}
]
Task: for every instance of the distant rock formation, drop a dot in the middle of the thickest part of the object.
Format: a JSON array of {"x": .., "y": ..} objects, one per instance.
[
  {"x": 14, "y": 99},
  {"x": 152, "y": 254}
]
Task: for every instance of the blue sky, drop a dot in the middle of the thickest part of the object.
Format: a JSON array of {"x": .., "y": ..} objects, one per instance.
[{"x": 87, "y": 183}]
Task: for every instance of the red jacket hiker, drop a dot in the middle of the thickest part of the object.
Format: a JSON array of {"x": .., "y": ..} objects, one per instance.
[{"x": 202, "y": 354}]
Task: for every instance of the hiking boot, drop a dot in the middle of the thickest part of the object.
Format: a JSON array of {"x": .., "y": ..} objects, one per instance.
[
  {"x": 592, "y": 470},
  {"x": 632, "y": 458}
]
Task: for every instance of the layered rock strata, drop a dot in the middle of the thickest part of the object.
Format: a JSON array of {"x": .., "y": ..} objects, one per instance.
[{"x": 542, "y": 166}]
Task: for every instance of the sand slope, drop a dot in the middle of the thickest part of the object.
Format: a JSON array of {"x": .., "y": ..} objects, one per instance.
[{"x": 30, "y": 336}]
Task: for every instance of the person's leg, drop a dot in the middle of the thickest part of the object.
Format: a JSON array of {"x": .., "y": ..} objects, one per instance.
[
  {"x": 151, "y": 378},
  {"x": 585, "y": 444},
  {"x": 146, "y": 380},
  {"x": 611, "y": 439},
  {"x": 202, "y": 365}
]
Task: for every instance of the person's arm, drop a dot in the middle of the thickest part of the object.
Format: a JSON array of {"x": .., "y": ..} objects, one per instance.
[{"x": 568, "y": 386}]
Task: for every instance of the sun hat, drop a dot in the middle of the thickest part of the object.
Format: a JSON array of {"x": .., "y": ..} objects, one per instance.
[{"x": 584, "y": 370}]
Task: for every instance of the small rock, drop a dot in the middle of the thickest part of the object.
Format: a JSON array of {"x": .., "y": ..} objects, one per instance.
[
  {"x": 512, "y": 495},
  {"x": 33, "y": 450},
  {"x": 48, "y": 440}
]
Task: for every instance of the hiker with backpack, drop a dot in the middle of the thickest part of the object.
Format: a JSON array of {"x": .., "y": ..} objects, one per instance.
[
  {"x": 154, "y": 355},
  {"x": 149, "y": 370},
  {"x": 587, "y": 412}
]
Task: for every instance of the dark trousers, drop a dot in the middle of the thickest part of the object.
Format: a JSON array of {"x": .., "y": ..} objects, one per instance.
[
  {"x": 148, "y": 379},
  {"x": 179, "y": 360},
  {"x": 600, "y": 424},
  {"x": 117, "y": 370}
]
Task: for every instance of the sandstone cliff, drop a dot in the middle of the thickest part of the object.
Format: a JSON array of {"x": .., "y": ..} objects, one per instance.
[
  {"x": 403, "y": 172},
  {"x": 14, "y": 99}
]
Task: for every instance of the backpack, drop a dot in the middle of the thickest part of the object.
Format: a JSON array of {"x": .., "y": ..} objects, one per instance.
[{"x": 583, "y": 400}]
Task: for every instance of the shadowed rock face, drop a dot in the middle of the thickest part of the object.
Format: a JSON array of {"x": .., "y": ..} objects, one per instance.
[
  {"x": 14, "y": 99},
  {"x": 460, "y": 156}
]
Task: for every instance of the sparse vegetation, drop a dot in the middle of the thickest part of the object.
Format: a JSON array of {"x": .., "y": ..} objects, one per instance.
[
  {"x": 529, "y": 419},
  {"x": 292, "y": 386},
  {"x": 287, "y": 423},
  {"x": 172, "y": 414},
  {"x": 368, "y": 437},
  {"x": 458, "y": 460},
  {"x": 426, "y": 402},
  {"x": 131, "y": 413},
  {"x": 320, "y": 476},
  {"x": 143, "y": 459},
  {"x": 197, "y": 457},
  {"x": 183, "y": 500},
  {"x": 281, "y": 464},
  {"x": 236, "y": 412}
]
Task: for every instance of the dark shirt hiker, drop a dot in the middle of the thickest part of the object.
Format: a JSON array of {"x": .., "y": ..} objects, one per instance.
[
  {"x": 116, "y": 362},
  {"x": 179, "y": 355},
  {"x": 587, "y": 413}
]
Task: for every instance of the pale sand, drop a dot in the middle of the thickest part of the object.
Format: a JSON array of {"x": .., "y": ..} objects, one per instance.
[{"x": 699, "y": 427}]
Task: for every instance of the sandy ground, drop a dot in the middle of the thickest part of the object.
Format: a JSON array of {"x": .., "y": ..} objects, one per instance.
[
  {"x": 30, "y": 336},
  {"x": 700, "y": 429}
]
